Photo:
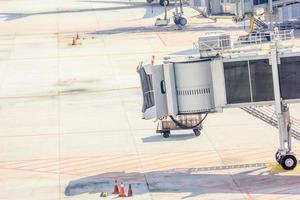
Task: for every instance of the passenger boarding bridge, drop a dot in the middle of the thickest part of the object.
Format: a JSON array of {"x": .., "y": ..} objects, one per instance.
[{"x": 260, "y": 72}]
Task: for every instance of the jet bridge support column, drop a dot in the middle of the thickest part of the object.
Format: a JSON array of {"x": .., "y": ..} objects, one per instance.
[{"x": 284, "y": 156}]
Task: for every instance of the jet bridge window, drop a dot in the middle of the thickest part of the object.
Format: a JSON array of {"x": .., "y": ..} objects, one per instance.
[
  {"x": 257, "y": 2},
  {"x": 261, "y": 80},
  {"x": 147, "y": 89},
  {"x": 237, "y": 82},
  {"x": 289, "y": 75},
  {"x": 248, "y": 81}
]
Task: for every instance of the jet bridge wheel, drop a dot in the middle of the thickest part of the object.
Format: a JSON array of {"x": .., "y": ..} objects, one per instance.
[
  {"x": 183, "y": 21},
  {"x": 166, "y": 134},
  {"x": 277, "y": 157},
  {"x": 180, "y": 21},
  {"x": 197, "y": 132},
  {"x": 288, "y": 162},
  {"x": 163, "y": 2},
  {"x": 176, "y": 20}
]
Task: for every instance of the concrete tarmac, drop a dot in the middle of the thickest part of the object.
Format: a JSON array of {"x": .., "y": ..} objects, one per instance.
[{"x": 71, "y": 114}]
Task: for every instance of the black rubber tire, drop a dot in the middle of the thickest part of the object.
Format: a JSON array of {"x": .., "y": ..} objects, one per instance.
[
  {"x": 176, "y": 21},
  {"x": 197, "y": 132},
  {"x": 162, "y": 2},
  {"x": 166, "y": 134},
  {"x": 182, "y": 21},
  {"x": 288, "y": 162},
  {"x": 277, "y": 158}
]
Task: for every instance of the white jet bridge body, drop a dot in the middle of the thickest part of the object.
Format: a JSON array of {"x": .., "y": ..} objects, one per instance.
[{"x": 268, "y": 74}]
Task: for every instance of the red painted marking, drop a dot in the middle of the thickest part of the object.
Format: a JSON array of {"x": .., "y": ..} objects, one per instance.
[
  {"x": 73, "y": 133},
  {"x": 249, "y": 197},
  {"x": 35, "y": 163},
  {"x": 44, "y": 172},
  {"x": 108, "y": 167},
  {"x": 277, "y": 185},
  {"x": 94, "y": 163},
  {"x": 285, "y": 190},
  {"x": 170, "y": 161},
  {"x": 19, "y": 162},
  {"x": 44, "y": 163},
  {"x": 63, "y": 162}
]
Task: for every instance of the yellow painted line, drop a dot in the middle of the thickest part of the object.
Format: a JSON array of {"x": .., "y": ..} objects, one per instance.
[
  {"x": 194, "y": 21},
  {"x": 276, "y": 168}
]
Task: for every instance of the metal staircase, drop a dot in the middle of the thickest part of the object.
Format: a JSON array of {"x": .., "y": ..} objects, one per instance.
[
  {"x": 260, "y": 24},
  {"x": 267, "y": 114},
  {"x": 281, "y": 3},
  {"x": 277, "y": 3}
]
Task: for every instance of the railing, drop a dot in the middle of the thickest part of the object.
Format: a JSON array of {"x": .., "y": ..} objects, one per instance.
[
  {"x": 253, "y": 39},
  {"x": 214, "y": 45},
  {"x": 214, "y": 42},
  {"x": 223, "y": 42},
  {"x": 284, "y": 35}
]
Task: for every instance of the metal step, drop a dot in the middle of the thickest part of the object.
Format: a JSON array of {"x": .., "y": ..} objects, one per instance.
[
  {"x": 260, "y": 24},
  {"x": 267, "y": 114},
  {"x": 278, "y": 3},
  {"x": 281, "y": 3}
]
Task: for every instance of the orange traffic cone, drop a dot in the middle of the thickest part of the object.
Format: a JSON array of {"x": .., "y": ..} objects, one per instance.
[
  {"x": 77, "y": 36},
  {"x": 74, "y": 42},
  {"x": 116, "y": 188},
  {"x": 152, "y": 60},
  {"x": 130, "y": 194},
  {"x": 122, "y": 191}
]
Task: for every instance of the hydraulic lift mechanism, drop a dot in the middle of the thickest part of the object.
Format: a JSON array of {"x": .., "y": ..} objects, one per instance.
[{"x": 224, "y": 77}]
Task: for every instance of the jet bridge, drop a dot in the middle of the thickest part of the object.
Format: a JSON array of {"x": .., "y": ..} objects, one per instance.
[
  {"x": 205, "y": 85},
  {"x": 226, "y": 78}
]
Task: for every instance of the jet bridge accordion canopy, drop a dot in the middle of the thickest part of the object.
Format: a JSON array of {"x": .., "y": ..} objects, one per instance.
[
  {"x": 180, "y": 87},
  {"x": 195, "y": 86}
]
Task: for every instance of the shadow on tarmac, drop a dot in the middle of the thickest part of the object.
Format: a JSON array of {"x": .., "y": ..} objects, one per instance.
[
  {"x": 150, "y": 10},
  {"x": 171, "y": 28},
  {"x": 257, "y": 180},
  {"x": 177, "y": 137}
]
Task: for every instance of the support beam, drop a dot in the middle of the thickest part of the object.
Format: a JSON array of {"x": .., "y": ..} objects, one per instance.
[
  {"x": 271, "y": 14},
  {"x": 281, "y": 110}
]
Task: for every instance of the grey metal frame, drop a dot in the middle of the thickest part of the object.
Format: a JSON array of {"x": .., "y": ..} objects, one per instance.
[{"x": 281, "y": 109}]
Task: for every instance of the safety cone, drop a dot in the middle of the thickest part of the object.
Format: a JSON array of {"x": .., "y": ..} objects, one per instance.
[
  {"x": 122, "y": 191},
  {"x": 152, "y": 60},
  {"x": 130, "y": 194},
  {"x": 77, "y": 36},
  {"x": 116, "y": 188},
  {"x": 74, "y": 42}
]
